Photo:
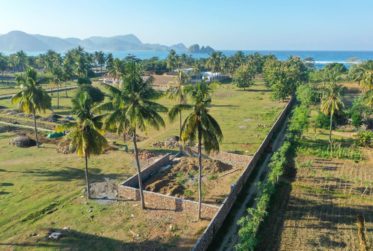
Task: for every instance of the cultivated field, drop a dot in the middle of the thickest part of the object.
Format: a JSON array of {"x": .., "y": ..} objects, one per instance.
[
  {"x": 42, "y": 190},
  {"x": 319, "y": 198}
]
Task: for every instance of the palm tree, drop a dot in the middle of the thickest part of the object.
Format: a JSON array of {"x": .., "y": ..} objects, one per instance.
[
  {"x": 172, "y": 60},
  {"x": 214, "y": 62},
  {"x": 331, "y": 103},
  {"x": 115, "y": 107},
  {"x": 86, "y": 133},
  {"x": 133, "y": 109},
  {"x": 179, "y": 92},
  {"x": 58, "y": 75},
  {"x": 32, "y": 98},
  {"x": 116, "y": 69},
  {"x": 201, "y": 125}
]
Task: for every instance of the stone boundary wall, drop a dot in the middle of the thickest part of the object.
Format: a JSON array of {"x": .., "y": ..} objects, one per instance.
[
  {"x": 207, "y": 236},
  {"x": 165, "y": 202}
]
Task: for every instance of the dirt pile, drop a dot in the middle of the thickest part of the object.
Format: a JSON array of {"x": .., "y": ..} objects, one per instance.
[{"x": 180, "y": 180}]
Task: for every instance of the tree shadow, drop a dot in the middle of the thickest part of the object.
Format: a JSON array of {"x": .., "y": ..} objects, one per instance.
[
  {"x": 72, "y": 173},
  {"x": 6, "y": 184},
  {"x": 75, "y": 240},
  {"x": 225, "y": 106}
]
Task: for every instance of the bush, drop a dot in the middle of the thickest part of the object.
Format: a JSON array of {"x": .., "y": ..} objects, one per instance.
[
  {"x": 84, "y": 81},
  {"x": 356, "y": 119},
  {"x": 365, "y": 138},
  {"x": 322, "y": 121}
]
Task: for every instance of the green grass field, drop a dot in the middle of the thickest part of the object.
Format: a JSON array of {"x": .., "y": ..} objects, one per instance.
[{"x": 42, "y": 189}]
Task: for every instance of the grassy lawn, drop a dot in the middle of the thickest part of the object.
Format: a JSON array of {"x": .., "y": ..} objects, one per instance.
[{"x": 41, "y": 189}]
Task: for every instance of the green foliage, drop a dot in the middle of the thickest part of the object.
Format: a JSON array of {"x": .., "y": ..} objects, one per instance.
[
  {"x": 284, "y": 77},
  {"x": 95, "y": 94},
  {"x": 338, "y": 67},
  {"x": 365, "y": 138},
  {"x": 356, "y": 118},
  {"x": 307, "y": 94},
  {"x": 322, "y": 121},
  {"x": 244, "y": 76},
  {"x": 250, "y": 224},
  {"x": 84, "y": 81}
]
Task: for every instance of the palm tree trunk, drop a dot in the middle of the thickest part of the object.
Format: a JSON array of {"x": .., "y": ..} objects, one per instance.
[
  {"x": 36, "y": 129},
  {"x": 200, "y": 173},
  {"x": 180, "y": 118},
  {"x": 86, "y": 177},
  {"x": 58, "y": 96},
  {"x": 138, "y": 170},
  {"x": 330, "y": 131}
]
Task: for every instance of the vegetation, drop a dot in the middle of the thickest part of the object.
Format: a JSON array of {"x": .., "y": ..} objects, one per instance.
[
  {"x": 201, "y": 125},
  {"x": 330, "y": 104},
  {"x": 249, "y": 225},
  {"x": 32, "y": 98},
  {"x": 85, "y": 135},
  {"x": 244, "y": 76}
]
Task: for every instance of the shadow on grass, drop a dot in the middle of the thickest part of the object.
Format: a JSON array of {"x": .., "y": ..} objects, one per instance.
[
  {"x": 254, "y": 90},
  {"x": 75, "y": 240},
  {"x": 72, "y": 173}
]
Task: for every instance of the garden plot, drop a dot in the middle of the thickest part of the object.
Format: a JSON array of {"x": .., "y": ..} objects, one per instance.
[{"x": 180, "y": 179}]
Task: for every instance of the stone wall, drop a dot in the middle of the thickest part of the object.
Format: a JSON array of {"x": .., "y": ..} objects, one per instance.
[
  {"x": 206, "y": 238},
  {"x": 165, "y": 202}
]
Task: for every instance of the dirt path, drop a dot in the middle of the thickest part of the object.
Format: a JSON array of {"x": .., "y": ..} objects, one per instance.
[{"x": 231, "y": 237}]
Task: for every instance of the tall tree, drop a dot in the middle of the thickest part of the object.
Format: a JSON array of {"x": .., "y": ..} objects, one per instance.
[
  {"x": 214, "y": 62},
  {"x": 86, "y": 134},
  {"x": 32, "y": 98},
  {"x": 331, "y": 103},
  {"x": 141, "y": 111},
  {"x": 179, "y": 92},
  {"x": 201, "y": 125},
  {"x": 172, "y": 60},
  {"x": 99, "y": 57},
  {"x": 244, "y": 76}
]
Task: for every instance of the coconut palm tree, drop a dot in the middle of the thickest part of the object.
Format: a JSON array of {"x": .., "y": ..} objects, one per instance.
[
  {"x": 214, "y": 62},
  {"x": 116, "y": 69},
  {"x": 172, "y": 60},
  {"x": 115, "y": 106},
  {"x": 179, "y": 92},
  {"x": 135, "y": 110},
  {"x": 86, "y": 134},
  {"x": 201, "y": 125},
  {"x": 331, "y": 103},
  {"x": 32, "y": 98}
]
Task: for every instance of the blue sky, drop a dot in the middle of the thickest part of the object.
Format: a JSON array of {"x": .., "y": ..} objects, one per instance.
[{"x": 223, "y": 24}]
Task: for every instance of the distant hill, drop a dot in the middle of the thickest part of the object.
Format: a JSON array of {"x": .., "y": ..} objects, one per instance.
[
  {"x": 18, "y": 40},
  {"x": 196, "y": 49}
]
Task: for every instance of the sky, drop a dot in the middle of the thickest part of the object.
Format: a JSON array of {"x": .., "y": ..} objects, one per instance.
[{"x": 222, "y": 24}]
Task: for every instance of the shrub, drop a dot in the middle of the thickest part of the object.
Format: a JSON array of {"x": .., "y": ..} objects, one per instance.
[
  {"x": 365, "y": 138},
  {"x": 322, "y": 121},
  {"x": 356, "y": 119}
]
